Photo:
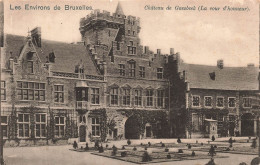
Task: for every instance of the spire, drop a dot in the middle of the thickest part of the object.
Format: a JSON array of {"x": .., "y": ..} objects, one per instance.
[{"x": 119, "y": 9}]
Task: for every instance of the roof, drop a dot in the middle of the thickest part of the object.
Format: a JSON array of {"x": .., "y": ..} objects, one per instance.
[
  {"x": 67, "y": 56},
  {"x": 119, "y": 9},
  {"x": 228, "y": 78}
]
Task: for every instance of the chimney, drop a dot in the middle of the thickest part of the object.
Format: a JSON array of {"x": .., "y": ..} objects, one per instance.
[
  {"x": 158, "y": 51},
  {"x": 220, "y": 64},
  {"x": 36, "y": 36},
  {"x": 171, "y": 51}
]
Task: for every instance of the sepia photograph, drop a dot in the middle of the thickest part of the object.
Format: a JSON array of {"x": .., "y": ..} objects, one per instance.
[{"x": 97, "y": 82}]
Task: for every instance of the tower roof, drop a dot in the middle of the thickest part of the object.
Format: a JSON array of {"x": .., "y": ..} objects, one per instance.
[{"x": 119, "y": 9}]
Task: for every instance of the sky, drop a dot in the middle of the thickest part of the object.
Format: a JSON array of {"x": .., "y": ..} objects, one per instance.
[{"x": 201, "y": 37}]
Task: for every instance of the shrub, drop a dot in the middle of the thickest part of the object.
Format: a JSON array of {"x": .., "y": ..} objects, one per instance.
[
  {"x": 243, "y": 163},
  {"x": 123, "y": 147},
  {"x": 201, "y": 144},
  {"x": 149, "y": 143},
  {"x": 123, "y": 154},
  {"x": 189, "y": 146},
  {"x": 96, "y": 144},
  {"x": 169, "y": 156},
  {"x": 134, "y": 148},
  {"x": 145, "y": 148},
  {"x": 114, "y": 150},
  {"x": 193, "y": 153},
  {"x": 128, "y": 141},
  {"x": 228, "y": 149},
  {"x": 197, "y": 142},
  {"x": 211, "y": 162},
  {"x": 163, "y": 145},
  {"x": 106, "y": 145},
  {"x": 81, "y": 147},
  {"x": 180, "y": 151},
  {"x": 213, "y": 138},
  {"x": 146, "y": 157},
  {"x": 100, "y": 149},
  {"x": 179, "y": 140},
  {"x": 141, "y": 144},
  {"x": 212, "y": 151},
  {"x": 166, "y": 150},
  {"x": 215, "y": 146}
]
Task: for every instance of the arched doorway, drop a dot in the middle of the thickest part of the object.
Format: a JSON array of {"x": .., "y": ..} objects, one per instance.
[
  {"x": 247, "y": 124},
  {"x": 82, "y": 133},
  {"x": 132, "y": 128}
]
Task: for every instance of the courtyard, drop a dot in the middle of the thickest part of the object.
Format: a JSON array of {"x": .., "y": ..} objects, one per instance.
[{"x": 66, "y": 155}]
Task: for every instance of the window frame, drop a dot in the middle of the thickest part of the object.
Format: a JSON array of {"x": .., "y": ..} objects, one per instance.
[
  {"x": 114, "y": 97},
  {"x": 121, "y": 69},
  {"x": 4, "y": 125},
  {"x": 59, "y": 125},
  {"x": 234, "y": 102},
  {"x": 220, "y": 97},
  {"x": 59, "y": 92},
  {"x": 137, "y": 97},
  {"x": 132, "y": 67},
  {"x": 161, "y": 97},
  {"x": 23, "y": 124},
  {"x": 41, "y": 123},
  {"x": 211, "y": 105},
  {"x": 126, "y": 96},
  {"x": 250, "y": 102},
  {"x": 149, "y": 97},
  {"x": 24, "y": 91},
  {"x": 30, "y": 67},
  {"x": 95, "y": 125},
  {"x": 142, "y": 71},
  {"x": 3, "y": 90},
  {"x": 159, "y": 73},
  {"x": 131, "y": 49},
  {"x": 192, "y": 101},
  {"x": 95, "y": 95}
]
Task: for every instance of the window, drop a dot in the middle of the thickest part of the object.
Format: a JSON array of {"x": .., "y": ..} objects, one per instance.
[
  {"x": 220, "y": 102},
  {"x": 132, "y": 69},
  {"x": 30, "y": 66},
  {"x": 4, "y": 126},
  {"x": 59, "y": 126},
  {"x": 142, "y": 71},
  {"x": 231, "y": 102},
  {"x": 40, "y": 122},
  {"x": 159, "y": 73},
  {"x": 131, "y": 48},
  {"x": 114, "y": 96},
  {"x": 23, "y": 125},
  {"x": 118, "y": 46},
  {"x": 126, "y": 96},
  {"x": 129, "y": 32},
  {"x": 95, "y": 96},
  {"x": 247, "y": 102},
  {"x": 133, "y": 33},
  {"x": 30, "y": 91},
  {"x": 122, "y": 69},
  {"x": 138, "y": 97},
  {"x": 149, "y": 96},
  {"x": 59, "y": 93},
  {"x": 160, "y": 98},
  {"x": 3, "y": 90},
  {"x": 95, "y": 127},
  {"x": 208, "y": 101},
  {"x": 195, "y": 101}
]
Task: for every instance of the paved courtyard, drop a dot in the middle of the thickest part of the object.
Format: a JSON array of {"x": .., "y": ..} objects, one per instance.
[{"x": 56, "y": 155}]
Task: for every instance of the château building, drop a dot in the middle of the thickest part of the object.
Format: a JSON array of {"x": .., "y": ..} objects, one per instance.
[{"x": 109, "y": 86}]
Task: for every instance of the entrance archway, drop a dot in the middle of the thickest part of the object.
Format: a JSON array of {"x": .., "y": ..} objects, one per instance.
[
  {"x": 132, "y": 128},
  {"x": 82, "y": 133},
  {"x": 247, "y": 124}
]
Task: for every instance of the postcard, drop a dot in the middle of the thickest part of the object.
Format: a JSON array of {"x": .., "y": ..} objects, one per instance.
[{"x": 129, "y": 82}]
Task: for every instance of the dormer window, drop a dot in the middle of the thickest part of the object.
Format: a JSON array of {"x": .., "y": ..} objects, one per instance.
[{"x": 30, "y": 66}]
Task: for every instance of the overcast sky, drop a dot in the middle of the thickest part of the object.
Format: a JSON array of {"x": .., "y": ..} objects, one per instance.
[{"x": 200, "y": 37}]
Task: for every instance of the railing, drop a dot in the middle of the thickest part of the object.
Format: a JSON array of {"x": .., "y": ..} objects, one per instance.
[
  {"x": 77, "y": 75},
  {"x": 82, "y": 105}
]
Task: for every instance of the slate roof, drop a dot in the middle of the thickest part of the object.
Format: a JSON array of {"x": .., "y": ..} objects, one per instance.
[
  {"x": 228, "y": 78},
  {"x": 67, "y": 55}
]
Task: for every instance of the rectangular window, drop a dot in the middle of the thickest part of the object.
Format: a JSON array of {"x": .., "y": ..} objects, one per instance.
[
  {"x": 131, "y": 48},
  {"x": 160, "y": 98},
  {"x": 59, "y": 126},
  {"x": 30, "y": 66},
  {"x": 122, "y": 69},
  {"x": 114, "y": 96},
  {"x": 40, "y": 123},
  {"x": 149, "y": 97},
  {"x": 30, "y": 91},
  {"x": 23, "y": 125},
  {"x": 142, "y": 71},
  {"x": 95, "y": 96},
  {"x": 195, "y": 101},
  {"x": 208, "y": 101},
  {"x": 118, "y": 46},
  {"x": 138, "y": 97},
  {"x": 59, "y": 93},
  {"x": 126, "y": 96},
  {"x": 247, "y": 102},
  {"x": 231, "y": 102},
  {"x": 133, "y": 33},
  {"x": 95, "y": 127},
  {"x": 220, "y": 102},
  {"x": 3, "y": 90},
  {"x": 132, "y": 69},
  {"x": 4, "y": 125},
  {"x": 159, "y": 73},
  {"x": 129, "y": 32}
]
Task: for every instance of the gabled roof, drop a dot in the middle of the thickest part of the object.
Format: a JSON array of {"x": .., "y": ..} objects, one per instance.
[
  {"x": 228, "y": 78},
  {"x": 67, "y": 56}
]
